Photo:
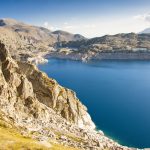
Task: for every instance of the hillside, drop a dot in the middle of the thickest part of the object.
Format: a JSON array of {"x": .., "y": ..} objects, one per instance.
[
  {"x": 24, "y": 41},
  {"x": 36, "y": 110},
  {"x": 119, "y": 46},
  {"x": 31, "y": 43}
]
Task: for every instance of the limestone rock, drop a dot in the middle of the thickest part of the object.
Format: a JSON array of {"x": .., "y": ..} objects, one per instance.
[
  {"x": 62, "y": 100},
  {"x": 44, "y": 110}
]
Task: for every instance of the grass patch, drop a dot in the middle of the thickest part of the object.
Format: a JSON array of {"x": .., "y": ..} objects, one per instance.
[
  {"x": 11, "y": 139},
  {"x": 60, "y": 147}
]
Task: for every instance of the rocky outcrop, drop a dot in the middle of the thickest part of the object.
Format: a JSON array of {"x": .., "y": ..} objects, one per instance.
[
  {"x": 44, "y": 110},
  {"x": 62, "y": 100},
  {"x": 30, "y": 84}
]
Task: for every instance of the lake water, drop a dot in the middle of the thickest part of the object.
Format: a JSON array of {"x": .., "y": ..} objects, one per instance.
[{"x": 117, "y": 94}]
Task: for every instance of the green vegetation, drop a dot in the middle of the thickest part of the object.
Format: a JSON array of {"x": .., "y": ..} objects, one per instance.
[
  {"x": 60, "y": 147},
  {"x": 11, "y": 139}
]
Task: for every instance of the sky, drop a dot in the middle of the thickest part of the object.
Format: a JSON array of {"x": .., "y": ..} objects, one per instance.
[{"x": 90, "y": 18}]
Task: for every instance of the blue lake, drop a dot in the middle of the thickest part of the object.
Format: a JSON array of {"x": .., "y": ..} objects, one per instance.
[{"x": 117, "y": 94}]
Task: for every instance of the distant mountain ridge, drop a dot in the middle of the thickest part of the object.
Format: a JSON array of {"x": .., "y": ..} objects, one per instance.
[
  {"x": 22, "y": 27},
  {"x": 66, "y": 36},
  {"x": 119, "y": 46},
  {"x": 145, "y": 31},
  {"x": 26, "y": 40},
  {"x": 9, "y": 22}
]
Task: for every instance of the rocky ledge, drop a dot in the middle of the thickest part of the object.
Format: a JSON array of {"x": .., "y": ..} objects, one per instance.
[{"x": 44, "y": 110}]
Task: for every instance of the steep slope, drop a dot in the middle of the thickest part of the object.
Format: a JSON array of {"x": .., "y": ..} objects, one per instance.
[
  {"x": 43, "y": 110},
  {"x": 29, "y": 36},
  {"x": 24, "y": 41},
  {"x": 40, "y": 88},
  {"x": 11, "y": 137},
  {"x": 35, "y": 35}
]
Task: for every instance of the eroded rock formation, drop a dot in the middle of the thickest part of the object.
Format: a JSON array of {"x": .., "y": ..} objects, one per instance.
[{"x": 38, "y": 104}]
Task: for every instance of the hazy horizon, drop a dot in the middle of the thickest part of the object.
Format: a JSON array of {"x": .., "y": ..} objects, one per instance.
[{"x": 90, "y": 18}]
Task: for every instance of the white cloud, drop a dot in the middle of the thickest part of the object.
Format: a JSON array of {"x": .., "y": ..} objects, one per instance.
[
  {"x": 69, "y": 27},
  {"x": 48, "y": 26},
  {"x": 101, "y": 26},
  {"x": 72, "y": 27},
  {"x": 147, "y": 17},
  {"x": 143, "y": 17},
  {"x": 90, "y": 26},
  {"x": 66, "y": 23}
]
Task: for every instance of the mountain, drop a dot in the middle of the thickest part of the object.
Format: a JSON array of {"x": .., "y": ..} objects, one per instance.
[
  {"x": 26, "y": 40},
  {"x": 114, "y": 42},
  {"x": 25, "y": 30},
  {"x": 119, "y": 46},
  {"x": 9, "y": 22},
  {"x": 38, "y": 32},
  {"x": 145, "y": 31},
  {"x": 30, "y": 43},
  {"x": 66, "y": 36},
  {"x": 37, "y": 113}
]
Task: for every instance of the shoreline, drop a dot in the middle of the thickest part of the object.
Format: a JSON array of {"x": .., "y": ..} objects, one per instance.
[
  {"x": 42, "y": 57},
  {"x": 101, "y": 56},
  {"x": 107, "y": 134},
  {"x": 47, "y": 56}
]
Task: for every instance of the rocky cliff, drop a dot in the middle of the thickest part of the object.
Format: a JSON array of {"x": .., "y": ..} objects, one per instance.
[
  {"x": 60, "y": 99},
  {"x": 45, "y": 111}
]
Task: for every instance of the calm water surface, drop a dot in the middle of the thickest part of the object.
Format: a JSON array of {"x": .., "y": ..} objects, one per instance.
[{"x": 117, "y": 94}]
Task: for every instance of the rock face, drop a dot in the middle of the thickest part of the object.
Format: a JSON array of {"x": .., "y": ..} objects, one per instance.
[
  {"x": 28, "y": 83},
  {"x": 62, "y": 100},
  {"x": 38, "y": 104}
]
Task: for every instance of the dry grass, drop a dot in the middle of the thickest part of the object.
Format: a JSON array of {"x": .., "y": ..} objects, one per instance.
[
  {"x": 11, "y": 139},
  {"x": 60, "y": 147}
]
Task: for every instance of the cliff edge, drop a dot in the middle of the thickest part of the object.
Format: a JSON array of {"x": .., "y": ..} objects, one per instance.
[{"x": 45, "y": 111}]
